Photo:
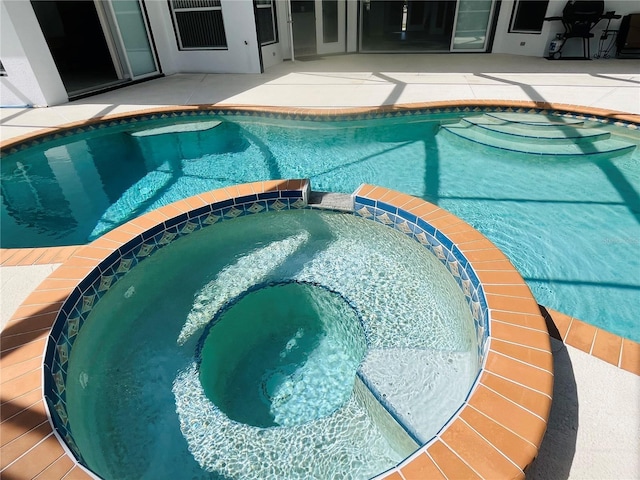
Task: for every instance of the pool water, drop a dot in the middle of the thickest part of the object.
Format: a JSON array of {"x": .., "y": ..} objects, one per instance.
[
  {"x": 571, "y": 226},
  {"x": 283, "y": 355},
  {"x": 309, "y": 306}
]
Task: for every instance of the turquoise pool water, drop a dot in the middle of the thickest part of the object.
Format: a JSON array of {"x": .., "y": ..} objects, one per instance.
[
  {"x": 242, "y": 351},
  {"x": 571, "y": 226},
  {"x": 284, "y": 355}
]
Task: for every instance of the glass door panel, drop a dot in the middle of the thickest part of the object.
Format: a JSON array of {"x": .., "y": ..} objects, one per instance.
[
  {"x": 472, "y": 25},
  {"x": 132, "y": 29},
  {"x": 406, "y": 25},
  {"x": 303, "y": 17},
  {"x": 330, "y": 26}
]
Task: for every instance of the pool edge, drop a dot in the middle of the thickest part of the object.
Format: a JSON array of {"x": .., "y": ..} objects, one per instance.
[
  {"x": 43, "y": 306},
  {"x": 24, "y": 344},
  {"x": 347, "y": 113}
]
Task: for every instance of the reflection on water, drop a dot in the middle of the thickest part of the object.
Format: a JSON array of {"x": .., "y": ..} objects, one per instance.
[
  {"x": 72, "y": 193},
  {"x": 32, "y": 197}
]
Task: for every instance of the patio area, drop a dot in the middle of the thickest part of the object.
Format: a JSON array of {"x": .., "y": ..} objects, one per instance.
[{"x": 594, "y": 426}]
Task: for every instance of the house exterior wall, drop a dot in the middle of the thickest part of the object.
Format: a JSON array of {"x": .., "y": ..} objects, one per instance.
[
  {"x": 32, "y": 77},
  {"x": 241, "y": 56}
]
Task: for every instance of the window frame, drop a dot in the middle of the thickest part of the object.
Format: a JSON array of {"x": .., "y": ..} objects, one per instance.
[
  {"x": 217, "y": 6},
  {"x": 515, "y": 12}
]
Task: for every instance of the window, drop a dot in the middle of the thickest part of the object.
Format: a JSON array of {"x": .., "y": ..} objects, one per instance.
[
  {"x": 528, "y": 16},
  {"x": 198, "y": 24},
  {"x": 266, "y": 18}
]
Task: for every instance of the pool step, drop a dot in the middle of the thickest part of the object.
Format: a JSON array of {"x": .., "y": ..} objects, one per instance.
[
  {"x": 534, "y": 119},
  {"x": 177, "y": 128},
  {"x": 419, "y": 388},
  {"x": 534, "y": 133},
  {"x": 538, "y": 135},
  {"x": 342, "y": 202},
  {"x": 397, "y": 436}
]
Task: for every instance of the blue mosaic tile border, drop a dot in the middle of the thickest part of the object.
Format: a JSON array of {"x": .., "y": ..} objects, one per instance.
[
  {"x": 248, "y": 112},
  {"x": 443, "y": 249},
  {"x": 78, "y": 305}
]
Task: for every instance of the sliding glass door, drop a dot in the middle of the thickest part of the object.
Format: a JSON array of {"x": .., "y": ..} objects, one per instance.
[
  {"x": 132, "y": 29},
  {"x": 96, "y": 44},
  {"x": 406, "y": 25},
  {"x": 424, "y": 25}
]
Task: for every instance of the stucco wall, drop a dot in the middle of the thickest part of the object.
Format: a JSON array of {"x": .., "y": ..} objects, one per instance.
[
  {"x": 240, "y": 57},
  {"x": 32, "y": 77}
]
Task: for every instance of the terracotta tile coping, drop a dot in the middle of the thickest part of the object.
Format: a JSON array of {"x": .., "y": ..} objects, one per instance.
[
  {"x": 495, "y": 434},
  {"x": 497, "y": 431},
  {"x": 29, "y": 448},
  {"x": 618, "y": 351}
]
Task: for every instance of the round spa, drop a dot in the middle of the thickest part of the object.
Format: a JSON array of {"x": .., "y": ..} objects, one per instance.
[{"x": 296, "y": 343}]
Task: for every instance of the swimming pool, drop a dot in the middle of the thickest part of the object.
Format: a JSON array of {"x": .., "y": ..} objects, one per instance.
[{"x": 569, "y": 225}]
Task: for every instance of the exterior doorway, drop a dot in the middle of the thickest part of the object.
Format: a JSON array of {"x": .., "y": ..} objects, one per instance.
[
  {"x": 318, "y": 27},
  {"x": 406, "y": 25},
  {"x": 388, "y": 26},
  {"x": 90, "y": 49}
]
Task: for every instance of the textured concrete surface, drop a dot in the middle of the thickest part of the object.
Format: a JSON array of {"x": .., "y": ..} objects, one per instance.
[
  {"x": 364, "y": 80},
  {"x": 16, "y": 284},
  {"x": 594, "y": 426}
]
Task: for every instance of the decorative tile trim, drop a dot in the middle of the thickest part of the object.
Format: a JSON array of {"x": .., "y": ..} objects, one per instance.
[
  {"x": 515, "y": 367},
  {"x": 442, "y": 248},
  {"x": 276, "y": 197},
  {"x": 375, "y": 203},
  {"x": 270, "y": 196},
  {"x": 619, "y": 119}
]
